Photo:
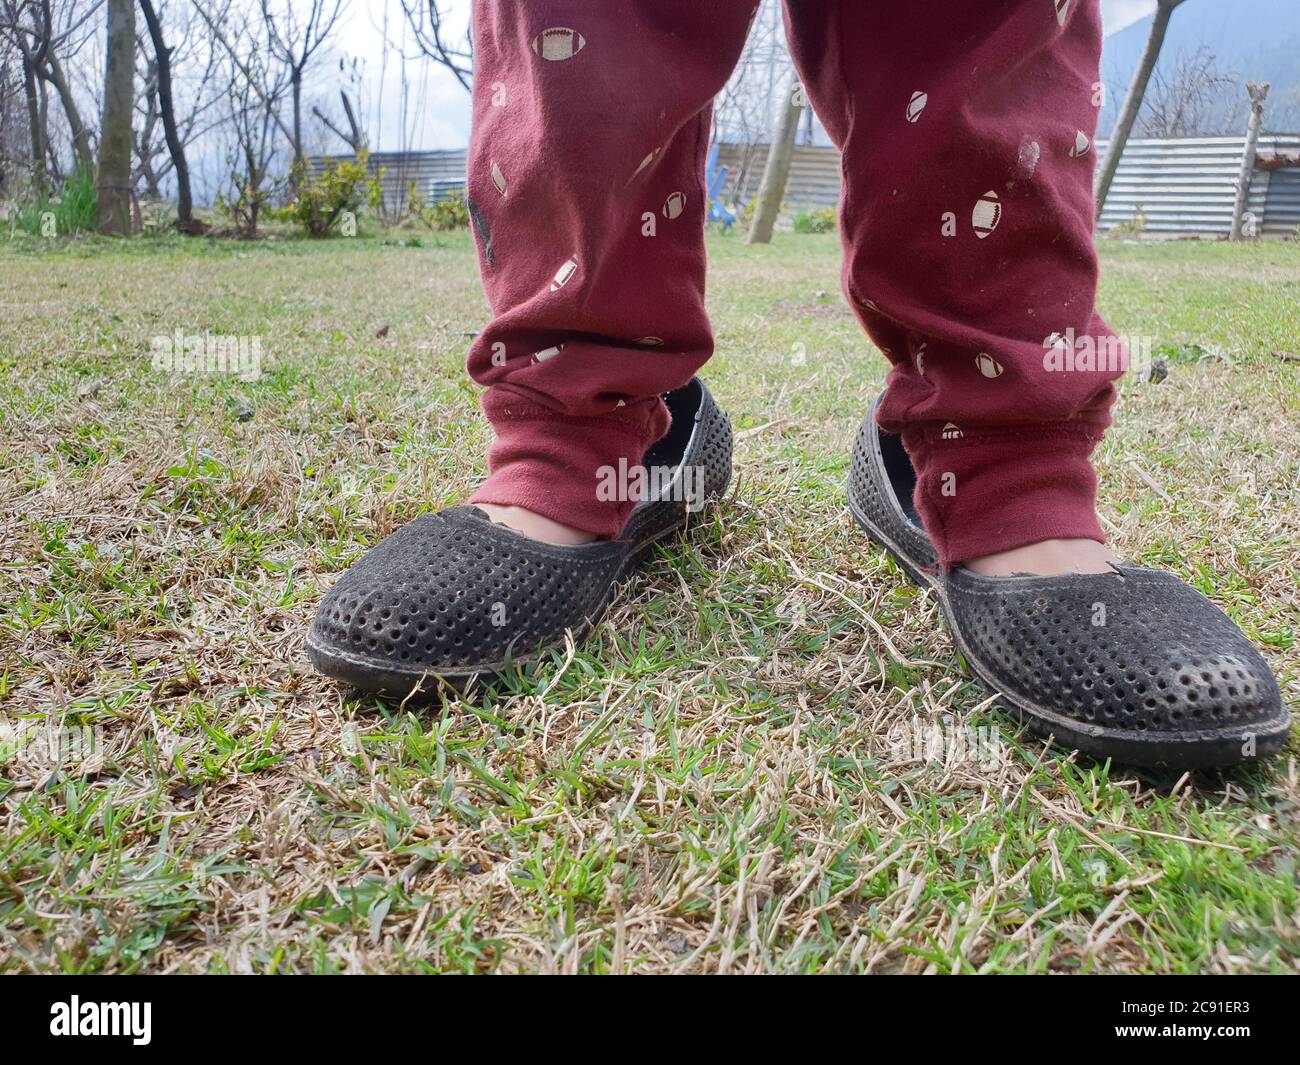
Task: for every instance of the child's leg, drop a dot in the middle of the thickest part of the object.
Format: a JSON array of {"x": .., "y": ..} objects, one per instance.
[
  {"x": 966, "y": 129},
  {"x": 591, "y": 123}
]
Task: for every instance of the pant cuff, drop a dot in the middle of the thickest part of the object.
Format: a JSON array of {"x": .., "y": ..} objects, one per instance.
[
  {"x": 550, "y": 463},
  {"x": 987, "y": 491}
]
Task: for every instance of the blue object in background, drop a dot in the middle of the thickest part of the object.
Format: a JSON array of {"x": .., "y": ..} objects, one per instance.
[{"x": 716, "y": 179}]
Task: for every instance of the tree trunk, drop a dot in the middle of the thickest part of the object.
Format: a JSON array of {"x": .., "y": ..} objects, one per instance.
[
  {"x": 184, "y": 199},
  {"x": 80, "y": 135},
  {"x": 115, "y": 127},
  {"x": 298, "y": 164},
  {"x": 1133, "y": 100},
  {"x": 35, "y": 127},
  {"x": 1257, "y": 95},
  {"x": 777, "y": 171},
  {"x": 52, "y": 167}
]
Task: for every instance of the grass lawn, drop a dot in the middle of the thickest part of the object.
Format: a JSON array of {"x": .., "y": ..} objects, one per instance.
[{"x": 738, "y": 773}]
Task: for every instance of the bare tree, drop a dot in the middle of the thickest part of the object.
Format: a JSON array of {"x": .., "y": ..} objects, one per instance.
[
  {"x": 743, "y": 110},
  {"x": 73, "y": 29},
  {"x": 256, "y": 85},
  {"x": 193, "y": 59},
  {"x": 14, "y": 142},
  {"x": 27, "y": 25},
  {"x": 1192, "y": 99},
  {"x": 252, "y": 161},
  {"x": 115, "y": 141},
  {"x": 428, "y": 25},
  {"x": 294, "y": 39},
  {"x": 161, "y": 64},
  {"x": 53, "y": 73},
  {"x": 1133, "y": 99},
  {"x": 149, "y": 152},
  {"x": 44, "y": 44},
  {"x": 245, "y": 57}
]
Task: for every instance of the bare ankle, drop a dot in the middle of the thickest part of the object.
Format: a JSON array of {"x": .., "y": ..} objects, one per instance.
[
  {"x": 535, "y": 526},
  {"x": 1047, "y": 558}
]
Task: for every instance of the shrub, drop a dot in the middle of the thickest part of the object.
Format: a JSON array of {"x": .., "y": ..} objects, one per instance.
[
  {"x": 244, "y": 209},
  {"x": 340, "y": 186},
  {"x": 450, "y": 212},
  {"x": 818, "y": 220}
]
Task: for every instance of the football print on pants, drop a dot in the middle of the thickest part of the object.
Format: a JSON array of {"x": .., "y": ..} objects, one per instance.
[
  {"x": 559, "y": 43},
  {"x": 564, "y": 275},
  {"x": 987, "y": 214}
]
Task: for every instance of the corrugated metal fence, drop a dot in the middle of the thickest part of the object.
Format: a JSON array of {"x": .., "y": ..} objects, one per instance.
[
  {"x": 1184, "y": 186},
  {"x": 1189, "y": 186},
  {"x": 814, "y": 173},
  {"x": 1282, "y": 213}
]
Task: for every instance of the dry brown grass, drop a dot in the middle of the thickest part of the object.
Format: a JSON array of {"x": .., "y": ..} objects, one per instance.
[{"x": 737, "y": 774}]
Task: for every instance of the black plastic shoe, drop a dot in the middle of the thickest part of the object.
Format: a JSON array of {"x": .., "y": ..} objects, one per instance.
[
  {"x": 1133, "y": 665},
  {"x": 452, "y": 596}
]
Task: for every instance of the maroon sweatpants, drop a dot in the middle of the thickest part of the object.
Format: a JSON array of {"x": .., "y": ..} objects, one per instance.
[{"x": 966, "y": 129}]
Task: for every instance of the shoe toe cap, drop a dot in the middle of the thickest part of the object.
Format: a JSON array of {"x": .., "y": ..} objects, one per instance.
[
  {"x": 1139, "y": 654},
  {"x": 456, "y": 596}
]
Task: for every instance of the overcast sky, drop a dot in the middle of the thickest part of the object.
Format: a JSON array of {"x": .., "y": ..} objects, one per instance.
[{"x": 437, "y": 108}]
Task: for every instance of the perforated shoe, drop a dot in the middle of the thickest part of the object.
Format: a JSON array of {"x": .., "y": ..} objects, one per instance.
[
  {"x": 452, "y": 596},
  {"x": 1132, "y": 665}
]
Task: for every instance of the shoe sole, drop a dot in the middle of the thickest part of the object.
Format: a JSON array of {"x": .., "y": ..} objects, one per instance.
[{"x": 1171, "y": 751}]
